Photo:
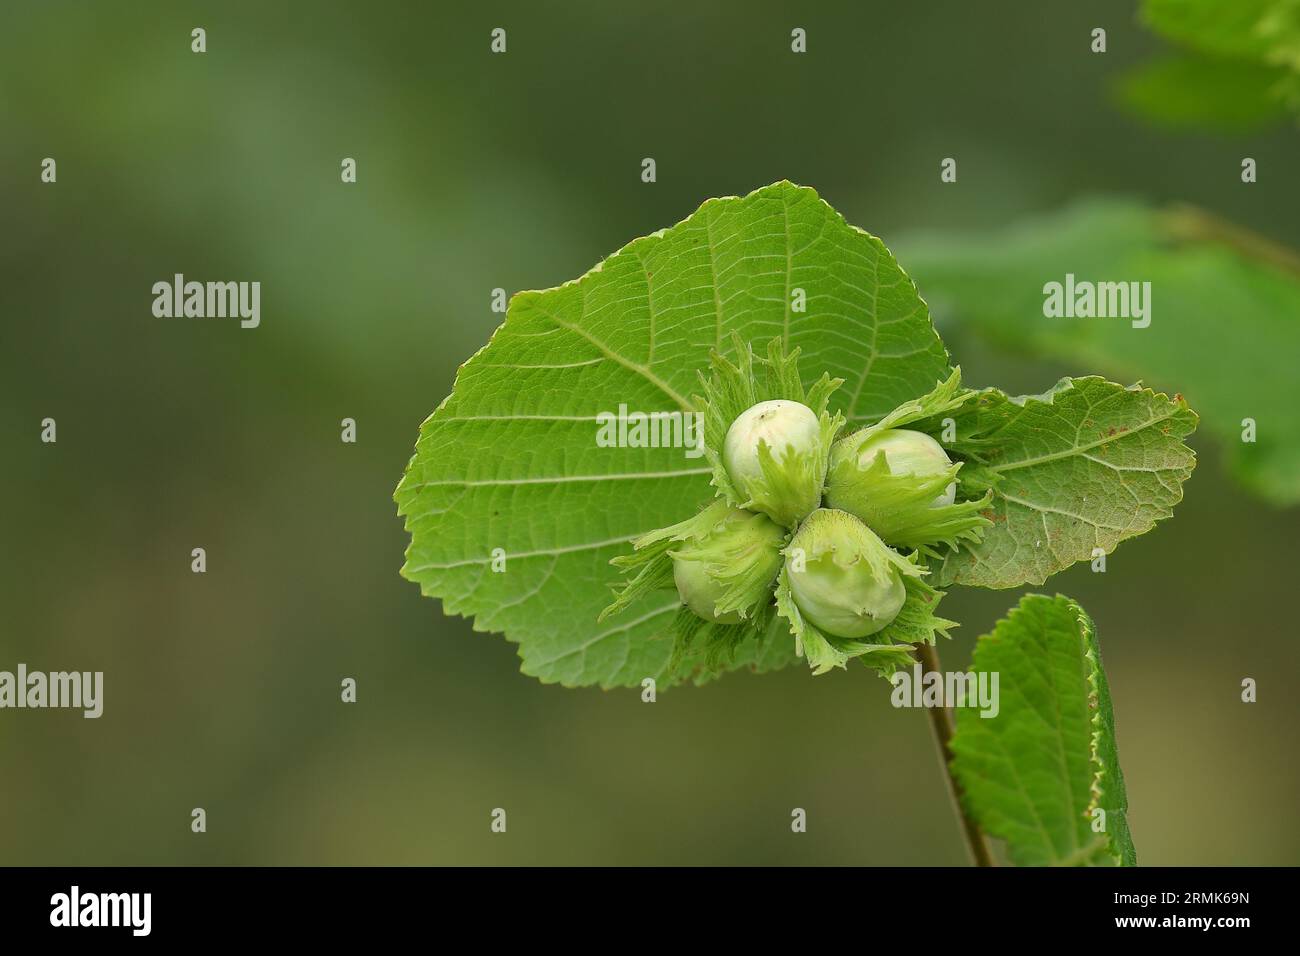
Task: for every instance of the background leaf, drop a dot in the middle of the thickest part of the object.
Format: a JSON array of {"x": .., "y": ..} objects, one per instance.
[
  {"x": 1223, "y": 95},
  {"x": 1241, "y": 67},
  {"x": 1225, "y": 308},
  {"x": 1085, "y": 465},
  {"x": 1033, "y": 774},
  {"x": 1250, "y": 29},
  {"x": 509, "y": 460}
]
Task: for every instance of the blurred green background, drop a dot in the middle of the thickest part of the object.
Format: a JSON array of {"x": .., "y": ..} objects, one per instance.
[{"x": 521, "y": 171}]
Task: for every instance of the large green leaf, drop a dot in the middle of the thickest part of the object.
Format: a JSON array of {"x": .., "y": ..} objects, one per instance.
[
  {"x": 510, "y": 461},
  {"x": 1034, "y": 774},
  {"x": 1225, "y": 315},
  {"x": 1083, "y": 466}
]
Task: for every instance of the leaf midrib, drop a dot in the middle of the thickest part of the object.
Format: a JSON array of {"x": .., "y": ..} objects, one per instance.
[
  {"x": 642, "y": 370},
  {"x": 562, "y": 479},
  {"x": 1080, "y": 449}
]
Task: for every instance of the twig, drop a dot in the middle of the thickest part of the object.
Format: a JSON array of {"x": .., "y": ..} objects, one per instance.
[{"x": 941, "y": 723}]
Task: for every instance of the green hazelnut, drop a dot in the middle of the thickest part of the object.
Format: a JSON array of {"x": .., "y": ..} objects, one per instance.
[
  {"x": 906, "y": 453},
  {"x": 725, "y": 570},
  {"x": 843, "y": 578},
  {"x": 775, "y": 456}
]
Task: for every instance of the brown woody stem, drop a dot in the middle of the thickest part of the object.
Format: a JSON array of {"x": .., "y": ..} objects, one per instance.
[{"x": 941, "y": 723}]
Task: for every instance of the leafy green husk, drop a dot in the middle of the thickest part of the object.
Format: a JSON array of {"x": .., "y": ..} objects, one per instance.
[
  {"x": 886, "y": 650},
  {"x": 899, "y": 507},
  {"x": 741, "y": 554},
  {"x": 736, "y": 387},
  {"x": 733, "y": 557},
  {"x": 715, "y": 645}
]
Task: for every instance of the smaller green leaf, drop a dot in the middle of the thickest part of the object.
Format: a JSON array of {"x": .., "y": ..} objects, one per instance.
[
  {"x": 1083, "y": 466},
  {"x": 1037, "y": 772}
]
